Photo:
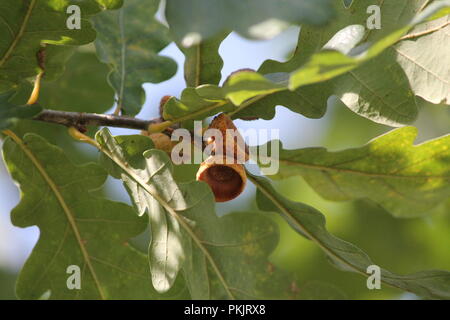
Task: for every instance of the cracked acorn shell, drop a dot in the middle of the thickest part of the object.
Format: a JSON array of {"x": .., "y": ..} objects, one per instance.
[
  {"x": 238, "y": 147},
  {"x": 227, "y": 180},
  {"x": 225, "y": 174}
]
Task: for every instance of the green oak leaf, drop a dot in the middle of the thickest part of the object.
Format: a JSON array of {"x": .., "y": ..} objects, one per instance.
[
  {"x": 110, "y": 4},
  {"x": 421, "y": 60},
  {"x": 316, "y": 290},
  {"x": 347, "y": 3},
  {"x": 310, "y": 223},
  {"x": 81, "y": 88},
  {"x": 380, "y": 94},
  {"x": 191, "y": 106},
  {"x": 221, "y": 258},
  {"x": 165, "y": 249},
  {"x": 328, "y": 64},
  {"x": 366, "y": 90},
  {"x": 23, "y": 35},
  {"x": 244, "y": 85},
  {"x": 203, "y": 64},
  {"x": 196, "y": 20},
  {"x": 76, "y": 228},
  {"x": 407, "y": 180},
  {"x": 245, "y": 94},
  {"x": 11, "y": 113},
  {"x": 128, "y": 40},
  {"x": 256, "y": 95}
]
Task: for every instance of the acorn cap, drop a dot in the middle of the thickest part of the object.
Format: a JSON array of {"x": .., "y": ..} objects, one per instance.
[{"x": 227, "y": 180}]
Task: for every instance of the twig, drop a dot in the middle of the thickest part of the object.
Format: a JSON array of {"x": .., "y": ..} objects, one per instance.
[
  {"x": 423, "y": 33},
  {"x": 425, "y": 4},
  {"x": 80, "y": 120}
]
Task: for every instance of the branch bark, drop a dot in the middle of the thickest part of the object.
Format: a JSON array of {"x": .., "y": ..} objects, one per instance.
[{"x": 80, "y": 120}]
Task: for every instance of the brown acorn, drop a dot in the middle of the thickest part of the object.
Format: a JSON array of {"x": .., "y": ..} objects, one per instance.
[
  {"x": 235, "y": 145},
  {"x": 161, "y": 141},
  {"x": 227, "y": 181},
  {"x": 225, "y": 176},
  {"x": 163, "y": 101}
]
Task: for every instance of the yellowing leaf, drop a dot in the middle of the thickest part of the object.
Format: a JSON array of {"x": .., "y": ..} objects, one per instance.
[{"x": 406, "y": 180}]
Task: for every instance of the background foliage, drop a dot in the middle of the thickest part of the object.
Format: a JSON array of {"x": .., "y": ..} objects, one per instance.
[{"x": 169, "y": 242}]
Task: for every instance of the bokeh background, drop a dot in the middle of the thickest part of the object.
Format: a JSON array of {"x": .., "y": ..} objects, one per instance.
[{"x": 400, "y": 245}]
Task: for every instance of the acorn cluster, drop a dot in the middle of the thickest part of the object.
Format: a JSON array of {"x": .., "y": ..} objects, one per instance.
[{"x": 223, "y": 170}]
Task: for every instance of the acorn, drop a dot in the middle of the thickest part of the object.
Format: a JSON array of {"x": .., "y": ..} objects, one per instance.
[
  {"x": 222, "y": 172},
  {"x": 235, "y": 147},
  {"x": 227, "y": 180},
  {"x": 161, "y": 141},
  {"x": 162, "y": 103}
]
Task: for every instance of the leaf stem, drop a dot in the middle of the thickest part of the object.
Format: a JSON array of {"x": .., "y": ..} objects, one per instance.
[
  {"x": 36, "y": 89},
  {"x": 123, "y": 53},
  {"x": 77, "y": 135}
]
